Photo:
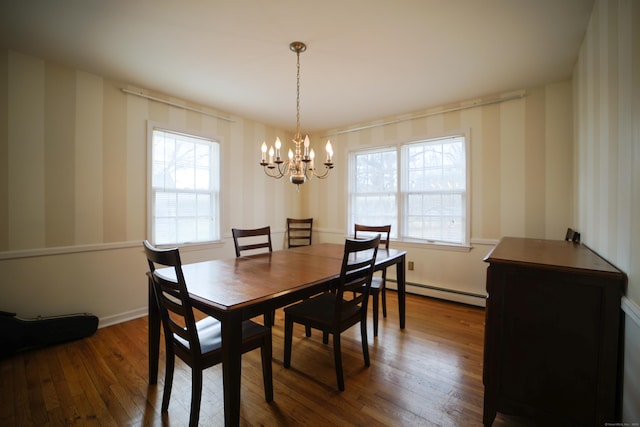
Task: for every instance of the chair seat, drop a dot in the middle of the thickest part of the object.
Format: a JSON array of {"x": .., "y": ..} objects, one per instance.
[
  {"x": 319, "y": 309},
  {"x": 210, "y": 334},
  {"x": 376, "y": 284}
]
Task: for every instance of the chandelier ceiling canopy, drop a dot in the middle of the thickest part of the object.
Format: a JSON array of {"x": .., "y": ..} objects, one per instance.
[{"x": 300, "y": 164}]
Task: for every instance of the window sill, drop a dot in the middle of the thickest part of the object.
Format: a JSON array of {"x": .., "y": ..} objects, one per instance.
[
  {"x": 435, "y": 245},
  {"x": 195, "y": 246}
]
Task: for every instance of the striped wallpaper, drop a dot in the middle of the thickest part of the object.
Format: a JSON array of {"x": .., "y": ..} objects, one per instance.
[
  {"x": 607, "y": 125},
  {"x": 74, "y": 149},
  {"x": 521, "y": 162},
  {"x": 607, "y": 111}
]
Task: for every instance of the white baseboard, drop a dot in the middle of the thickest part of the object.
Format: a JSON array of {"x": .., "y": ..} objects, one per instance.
[
  {"x": 631, "y": 309},
  {"x": 441, "y": 293},
  {"x": 631, "y": 368},
  {"x": 122, "y": 317}
]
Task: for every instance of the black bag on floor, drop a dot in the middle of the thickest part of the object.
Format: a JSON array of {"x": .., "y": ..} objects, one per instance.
[{"x": 17, "y": 334}]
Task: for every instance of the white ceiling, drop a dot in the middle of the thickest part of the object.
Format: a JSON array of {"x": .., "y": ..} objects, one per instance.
[{"x": 366, "y": 59}]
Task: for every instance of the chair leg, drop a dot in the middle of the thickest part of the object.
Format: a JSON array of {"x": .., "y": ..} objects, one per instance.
[
  {"x": 307, "y": 329},
  {"x": 168, "y": 380},
  {"x": 288, "y": 336},
  {"x": 376, "y": 304},
  {"x": 196, "y": 396},
  {"x": 365, "y": 343},
  {"x": 325, "y": 337},
  {"x": 383, "y": 291},
  {"x": 337, "y": 355},
  {"x": 267, "y": 371}
]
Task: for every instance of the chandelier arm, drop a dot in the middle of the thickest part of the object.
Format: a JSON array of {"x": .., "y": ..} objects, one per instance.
[
  {"x": 272, "y": 175},
  {"x": 280, "y": 171},
  {"x": 324, "y": 175},
  {"x": 285, "y": 167}
]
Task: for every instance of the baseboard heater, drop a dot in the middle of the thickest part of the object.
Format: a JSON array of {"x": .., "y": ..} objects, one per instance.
[{"x": 439, "y": 289}]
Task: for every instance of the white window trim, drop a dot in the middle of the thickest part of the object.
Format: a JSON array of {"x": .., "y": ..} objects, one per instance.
[
  {"x": 467, "y": 244},
  {"x": 151, "y": 126}
]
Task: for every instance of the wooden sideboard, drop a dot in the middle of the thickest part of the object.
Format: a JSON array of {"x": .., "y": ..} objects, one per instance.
[{"x": 553, "y": 333}]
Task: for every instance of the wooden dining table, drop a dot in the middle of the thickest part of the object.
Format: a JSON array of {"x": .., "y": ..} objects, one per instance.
[{"x": 233, "y": 290}]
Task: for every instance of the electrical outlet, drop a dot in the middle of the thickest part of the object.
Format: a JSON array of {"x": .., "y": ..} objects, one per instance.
[{"x": 410, "y": 265}]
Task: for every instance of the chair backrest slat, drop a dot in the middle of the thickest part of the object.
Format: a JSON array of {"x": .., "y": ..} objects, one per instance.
[
  {"x": 263, "y": 234},
  {"x": 371, "y": 230},
  {"x": 299, "y": 232}
]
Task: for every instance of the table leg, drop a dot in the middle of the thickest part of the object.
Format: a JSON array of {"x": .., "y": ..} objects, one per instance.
[
  {"x": 402, "y": 297},
  {"x": 154, "y": 335},
  {"x": 231, "y": 367}
]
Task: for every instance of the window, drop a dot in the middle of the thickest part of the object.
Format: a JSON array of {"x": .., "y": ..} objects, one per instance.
[
  {"x": 428, "y": 203},
  {"x": 373, "y": 188},
  {"x": 184, "y": 188}
]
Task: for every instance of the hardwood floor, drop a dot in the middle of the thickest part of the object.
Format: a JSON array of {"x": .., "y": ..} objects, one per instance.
[{"x": 429, "y": 374}]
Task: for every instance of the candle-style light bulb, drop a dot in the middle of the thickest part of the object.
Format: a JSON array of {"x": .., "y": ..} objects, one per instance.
[
  {"x": 263, "y": 148},
  {"x": 278, "y": 145},
  {"x": 271, "y": 154},
  {"x": 306, "y": 145},
  {"x": 290, "y": 154},
  {"x": 329, "y": 149}
]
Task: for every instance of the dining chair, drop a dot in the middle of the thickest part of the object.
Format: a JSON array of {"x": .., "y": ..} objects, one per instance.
[
  {"x": 378, "y": 283},
  {"x": 251, "y": 240},
  {"x": 256, "y": 238},
  {"x": 299, "y": 231},
  {"x": 198, "y": 344},
  {"x": 333, "y": 314}
]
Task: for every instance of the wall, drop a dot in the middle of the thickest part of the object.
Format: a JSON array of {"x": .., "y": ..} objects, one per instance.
[
  {"x": 607, "y": 156},
  {"x": 73, "y": 190},
  {"x": 521, "y": 181},
  {"x": 73, "y": 179}
]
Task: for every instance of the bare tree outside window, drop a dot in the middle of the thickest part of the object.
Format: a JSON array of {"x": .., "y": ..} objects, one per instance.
[
  {"x": 185, "y": 188},
  {"x": 419, "y": 187}
]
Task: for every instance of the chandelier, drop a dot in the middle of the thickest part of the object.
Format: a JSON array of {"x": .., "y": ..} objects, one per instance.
[{"x": 300, "y": 164}]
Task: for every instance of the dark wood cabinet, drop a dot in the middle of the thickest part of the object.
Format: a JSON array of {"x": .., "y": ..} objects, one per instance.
[{"x": 553, "y": 331}]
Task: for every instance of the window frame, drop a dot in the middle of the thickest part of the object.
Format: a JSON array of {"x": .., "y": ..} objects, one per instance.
[
  {"x": 216, "y": 178},
  {"x": 398, "y": 147}
]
